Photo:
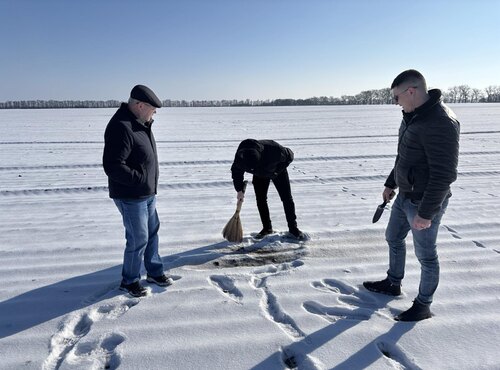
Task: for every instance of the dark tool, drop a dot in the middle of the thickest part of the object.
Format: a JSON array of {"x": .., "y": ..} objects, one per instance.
[{"x": 379, "y": 211}]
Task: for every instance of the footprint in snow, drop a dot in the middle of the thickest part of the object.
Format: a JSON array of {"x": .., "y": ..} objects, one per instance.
[
  {"x": 452, "y": 232},
  {"x": 335, "y": 313},
  {"x": 277, "y": 269},
  {"x": 76, "y": 326},
  {"x": 396, "y": 356},
  {"x": 98, "y": 354},
  {"x": 353, "y": 303},
  {"x": 478, "y": 244},
  {"x": 225, "y": 285}
]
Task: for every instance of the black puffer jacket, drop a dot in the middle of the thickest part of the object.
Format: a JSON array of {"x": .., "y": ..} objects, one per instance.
[
  {"x": 427, "y": 158},
  {"x": 130, "y": 159},
  {"x": 274, "y": 159}
]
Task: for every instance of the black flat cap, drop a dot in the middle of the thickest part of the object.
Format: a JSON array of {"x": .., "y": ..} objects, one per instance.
[{"x": 146, "y": 95}]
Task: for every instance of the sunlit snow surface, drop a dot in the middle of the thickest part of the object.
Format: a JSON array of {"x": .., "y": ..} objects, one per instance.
[{"x": 273, "y": 304}]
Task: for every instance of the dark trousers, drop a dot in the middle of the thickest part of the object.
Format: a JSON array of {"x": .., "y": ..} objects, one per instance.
[{"x": 282, "y": 184}]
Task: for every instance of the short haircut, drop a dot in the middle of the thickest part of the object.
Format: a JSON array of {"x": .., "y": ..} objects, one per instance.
[
  {"x": 249, "y": 157},
  {"x": 410, "y": 76}
]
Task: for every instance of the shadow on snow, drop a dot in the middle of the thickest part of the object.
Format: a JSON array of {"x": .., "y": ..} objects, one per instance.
[{"x": 43, "y": 304}]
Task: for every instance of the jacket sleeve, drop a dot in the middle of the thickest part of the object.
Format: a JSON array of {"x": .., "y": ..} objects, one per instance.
[
  {"x": 117, "y": 148},
  {"x": 238, "y": 176},
  {"x": 390, "y": 182},
  {"x": 441, "y": 145},
  {"x": 285, "y": 160}
]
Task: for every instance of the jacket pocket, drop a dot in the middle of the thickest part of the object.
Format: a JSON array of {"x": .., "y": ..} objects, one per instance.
[
  {"x": 143, "y": 174},
  {"x": 411, "y": 177}
]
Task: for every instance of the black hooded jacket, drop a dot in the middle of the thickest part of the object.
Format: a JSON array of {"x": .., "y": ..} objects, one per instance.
[
  {"x": 272, "y": 160},
  {"x": 130, "y": 159},
  {"x": 427, "y": 159}
]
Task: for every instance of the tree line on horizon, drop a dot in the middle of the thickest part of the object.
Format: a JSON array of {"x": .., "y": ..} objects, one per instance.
[{"x": 455, "y": 94}]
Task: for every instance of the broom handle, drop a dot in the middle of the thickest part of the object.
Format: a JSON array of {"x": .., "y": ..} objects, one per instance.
[{"x": 240, "y": 202}]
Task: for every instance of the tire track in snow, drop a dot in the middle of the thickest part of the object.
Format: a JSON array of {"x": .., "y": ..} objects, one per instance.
[
  {"x": 236, "y": 141},
  {"x": 228, "y": 162},
  {"x": 225, "y": 184}
]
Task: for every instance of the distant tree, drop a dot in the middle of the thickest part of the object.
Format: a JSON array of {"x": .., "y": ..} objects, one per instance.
[
  {"x": 364, "y": 97},
  {"x": 460, "y": 94},
  {"x": 449, "y": 95},
  {"x": 464, "y": 93},
  {"x": 476, "y": 95},
  {"x": 347, "y": 99},
  {"x": 492, "y": 94}
]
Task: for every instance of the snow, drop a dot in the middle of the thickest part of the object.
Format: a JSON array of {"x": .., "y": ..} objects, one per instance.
[{"x": 274, "y": 304}]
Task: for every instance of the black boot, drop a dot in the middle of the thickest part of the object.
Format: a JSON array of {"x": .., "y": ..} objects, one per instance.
[
  {"x": 135, "y": 289},
  {"x": 417, "y": 312},
  {"x": 297, "y": 233},
  {"x": 265, "y": 231},
  {"x": 383, "y": 286}
]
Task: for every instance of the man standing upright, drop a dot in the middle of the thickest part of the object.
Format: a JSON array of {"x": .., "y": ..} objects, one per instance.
[
  {"x": 426, "y": 165},
  {"x": 131, "y": 163}
]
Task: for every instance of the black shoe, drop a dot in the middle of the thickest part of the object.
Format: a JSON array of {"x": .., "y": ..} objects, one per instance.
[
  {"x": 417, "y": 312},
  {"x": 297, "y": 233},
  {"x": 162, "y": 280},
  {"x": 135, "y": 289},
  {"x": 383, "y": 286},
  {"x": 263, "y": 233}
]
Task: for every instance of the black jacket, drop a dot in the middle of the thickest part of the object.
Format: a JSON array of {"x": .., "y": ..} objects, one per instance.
[
  {"x": 427, "y": 158},
  {"x": 130, "y": 159},
  {"x": 274, "y": 159}
]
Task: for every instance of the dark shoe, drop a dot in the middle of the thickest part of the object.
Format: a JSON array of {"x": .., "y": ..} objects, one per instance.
[
  {"x": 297, "y": 233},
  {"x": 134, "y": 289},
  {"x": 383, "y": 286},
  {"x": 162, "y": 280},
  {"x": 417, "y": 312},
  {"x": 263, "y": 233}
]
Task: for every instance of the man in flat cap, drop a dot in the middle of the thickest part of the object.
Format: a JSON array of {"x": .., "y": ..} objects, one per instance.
[{"x": 130, "y": 161}]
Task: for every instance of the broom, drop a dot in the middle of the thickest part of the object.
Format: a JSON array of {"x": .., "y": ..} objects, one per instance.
[{"x": 233, "y": 231}]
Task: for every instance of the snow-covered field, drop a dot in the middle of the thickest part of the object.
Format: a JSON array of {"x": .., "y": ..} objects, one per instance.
[{"x": 266, "y": 305}]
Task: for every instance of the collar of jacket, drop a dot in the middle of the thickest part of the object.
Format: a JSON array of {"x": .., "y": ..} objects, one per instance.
[
  {"x": 435, "y": 97},
  {"x": 126, "y": 111}
]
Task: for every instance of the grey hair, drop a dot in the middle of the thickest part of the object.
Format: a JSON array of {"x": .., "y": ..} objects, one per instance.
[{"x": 132, "y": 101}]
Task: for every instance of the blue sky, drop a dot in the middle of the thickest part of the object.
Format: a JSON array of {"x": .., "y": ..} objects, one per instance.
[{"x": 255, "y": 49}]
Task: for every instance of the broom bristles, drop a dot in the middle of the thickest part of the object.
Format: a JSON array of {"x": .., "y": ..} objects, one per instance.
[{"x": 233, "y": 231}]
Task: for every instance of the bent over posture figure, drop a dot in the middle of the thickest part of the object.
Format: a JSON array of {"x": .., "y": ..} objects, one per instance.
[
  {"x": 426, "y": 165},
  {"x": 267, "y": 161},
  {"x": 130, "y": 160}
]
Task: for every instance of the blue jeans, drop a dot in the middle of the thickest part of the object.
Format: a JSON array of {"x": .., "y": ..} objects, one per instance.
[
  {"x": 141, "y": 231},
  {"x": 424, "y": 241}
]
